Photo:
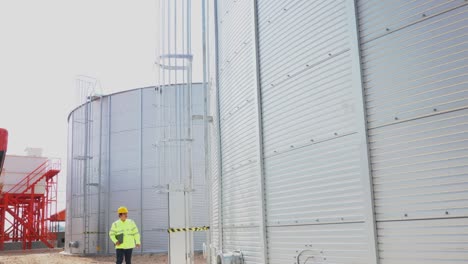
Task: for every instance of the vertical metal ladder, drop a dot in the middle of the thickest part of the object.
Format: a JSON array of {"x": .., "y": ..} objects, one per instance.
[
  {"x": 87, "y": 86},
  {"x": 88, "y": 125}
]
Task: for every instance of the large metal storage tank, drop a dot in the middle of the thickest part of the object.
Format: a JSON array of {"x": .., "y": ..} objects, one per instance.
[
  {"x": 113, "y": 141},
  {"x": 415, "y": 77},
  {"x": 342, "y": 131}
]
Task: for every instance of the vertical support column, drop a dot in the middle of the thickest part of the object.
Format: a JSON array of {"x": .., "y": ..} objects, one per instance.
[
  {"x": 30, "y": 224},
  {"x": 70, "y": 180},
  {"x": 177, "y": 215},
  {"x": 2, "y": 224},
  {"x": 207, "y": 144},
  {"x": 107, "y": 209},
  {"x": 258, "y": 101},
  {"x": 44, "y": 209},
  {"x": 86, "y": 175},
  {"x": 188, "y": 223},
  {"x": 141, "y": 168},
  {"x": 99, "y": 220},
  {"x": 362, "y": 131},
  {"x": 220, "y": 158}
]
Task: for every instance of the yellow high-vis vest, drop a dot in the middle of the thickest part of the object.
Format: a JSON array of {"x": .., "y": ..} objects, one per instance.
[{"x": 129, "y": 229}]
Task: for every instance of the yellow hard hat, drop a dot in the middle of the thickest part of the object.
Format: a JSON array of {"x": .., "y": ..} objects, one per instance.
[{"x": 122, "y": 210}]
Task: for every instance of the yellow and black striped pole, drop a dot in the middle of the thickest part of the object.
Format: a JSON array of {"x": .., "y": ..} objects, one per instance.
[{"x": 193, "y": 229}]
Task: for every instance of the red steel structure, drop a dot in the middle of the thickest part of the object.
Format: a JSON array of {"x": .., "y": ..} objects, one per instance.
[{"x": 25, "y": 208}]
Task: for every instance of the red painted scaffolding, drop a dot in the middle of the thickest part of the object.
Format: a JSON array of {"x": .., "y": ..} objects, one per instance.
[{"x": 26, "y": 208}]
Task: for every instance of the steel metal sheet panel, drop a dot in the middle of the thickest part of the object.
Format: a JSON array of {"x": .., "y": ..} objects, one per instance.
[
  {"x": 379, "y": 18},
  {"x": 415, "y": 75},
  {"x": 149, "y": 102},
  {"x": 238, "y": 137},
  {"x": 153, "y": 199},
  {"x": 240, "y": 208},
  {"x": 415, "y": 80},
  {"x": 77, "y": 228},
  {"x": 338, "y": 243},
  {"x": 156, "y": 218},
  {"x": 246, "y": 239},
  {"x": 434, "y": 241},
  {"x": 93, "y": 225},
  {"x": 237, "y": 88},
  {"x": 237, "y": 82},
  {"x": 150, "y": 153},
  {"x": 306, "y": 81},
  {"x": 198, "y": 102},
  {"x": 312, "y": 106},
  {"x": 198, "y": 153},
  {"x": 238, "y": 140},
  {"x": 127, "y": 198},
  {"x": 313, "y": 182},
  {"x": 155, "y": 241},
  {"x": 151, "y": 178},
  {"x": 126, "y": 110},
  {"x": 235, "y": 20},
  {"x": 215, "y": 214},
  {"x": 316, "y": 183},
  {"x": 420, "y": 167},
  {"x": 199, "y": 216},
  {"x": 129, "y": 179},
  {"x": 93, "y": 203},
  {"x": 285, "y": 36},
  {"x": 125, "y": 149},
  {"x": 417, "y": 71}
]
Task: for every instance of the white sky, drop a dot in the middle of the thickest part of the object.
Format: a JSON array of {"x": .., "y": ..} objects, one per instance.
[{"x": 45, "y": 44}]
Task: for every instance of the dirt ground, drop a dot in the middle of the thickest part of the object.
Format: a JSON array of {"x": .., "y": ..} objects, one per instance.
[{"x": 46, "y": 256}]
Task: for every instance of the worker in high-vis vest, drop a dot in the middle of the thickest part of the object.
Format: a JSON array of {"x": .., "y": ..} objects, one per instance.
[{"x": 124, "y": 233}]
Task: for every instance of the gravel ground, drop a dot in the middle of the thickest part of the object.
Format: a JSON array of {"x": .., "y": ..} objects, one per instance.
[{"x": 46, "y": 256}]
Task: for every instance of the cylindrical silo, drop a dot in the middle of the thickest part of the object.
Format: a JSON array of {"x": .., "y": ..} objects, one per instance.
[
  {"x": 113, "y": 161},
  {"x": 339, "y": 131}
]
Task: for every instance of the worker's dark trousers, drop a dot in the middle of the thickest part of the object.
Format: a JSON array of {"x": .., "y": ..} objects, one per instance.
[{"x": 121, "y": 253}]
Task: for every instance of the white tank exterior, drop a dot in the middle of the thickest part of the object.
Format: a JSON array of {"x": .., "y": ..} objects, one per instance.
[
  {"x": 123, "y": 171},
  {"x": 340, "y": 131},
  {"x": 16, "y": 168}
]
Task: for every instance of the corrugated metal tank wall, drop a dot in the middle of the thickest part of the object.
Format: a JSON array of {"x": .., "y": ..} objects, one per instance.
[
  {"x": 240, "y": 204},
  {"x": 312, "y": 156},
  {"x": 358, "y": 99},
  {"x": 124, "y": 169},
  {"x": 214, "y": 157},
  {"x": 414, "y": 56},
  {"x": 214, "y": 172}
]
